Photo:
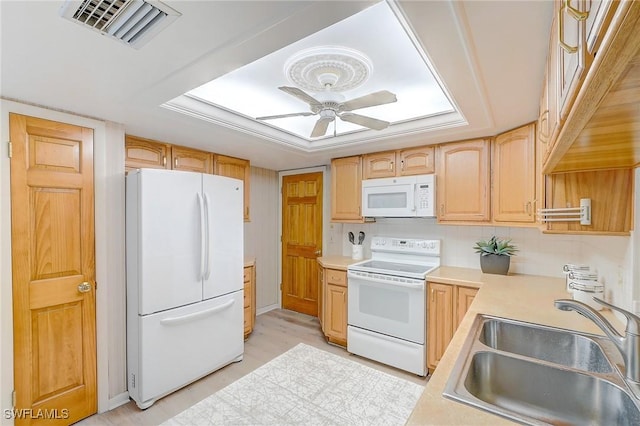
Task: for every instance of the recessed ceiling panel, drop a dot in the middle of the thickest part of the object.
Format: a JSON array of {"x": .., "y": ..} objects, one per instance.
[{"x": 304, "y": 89}]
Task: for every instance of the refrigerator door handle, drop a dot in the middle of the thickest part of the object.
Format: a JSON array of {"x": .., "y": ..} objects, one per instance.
[
  {"x": 207, "y": 272},
  {"x": 196, "y": 315},
  {"x": 202, "y": 235}
]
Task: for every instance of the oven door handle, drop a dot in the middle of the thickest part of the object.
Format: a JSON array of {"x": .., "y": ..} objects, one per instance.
[{"x": 415, "y": 286}]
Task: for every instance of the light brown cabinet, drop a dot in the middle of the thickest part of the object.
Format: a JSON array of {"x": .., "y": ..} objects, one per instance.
[
  {"x": 379, "y": 165},
  {"x": 249, "y": 299},
  {"x": 572, "y": 55},
  {"x": 191, "y": 160},
  {"x": 439, "y": 322},
  {"x": 463, "y": 181},
  {"x": 235, "y": 168},
  {"x": 334, "y": 316},
  {"x": 611, "y": 197},
  {"x": 145, "y": 153},
  {"x": 405, "y": 162},
  {"x": 513, "y": 163},
  {"x": 346, "y": 189},
  {"x": 447, "y": 305}
]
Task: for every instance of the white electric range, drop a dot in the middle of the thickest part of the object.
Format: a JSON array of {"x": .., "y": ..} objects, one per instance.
[{"x": 387, "y": 312}]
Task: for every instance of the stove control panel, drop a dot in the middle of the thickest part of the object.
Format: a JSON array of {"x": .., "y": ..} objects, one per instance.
[{"x": 406, "y": 245}]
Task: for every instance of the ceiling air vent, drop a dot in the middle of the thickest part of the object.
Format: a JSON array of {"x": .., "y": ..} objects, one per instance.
[{"x": 133, "y": 22}]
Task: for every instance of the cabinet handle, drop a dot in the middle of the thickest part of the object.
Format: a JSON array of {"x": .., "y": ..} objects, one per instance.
[
  {"x": 175, "y": 162},
  {"x": 544, "y": 137},
  {"x": 577, "y": 15},
  {"x": 432, "y": 295},
  {"x": 164, "y": 160},
  {"x": 441, "y": 209},
  {"x": 569, "y": 49},
  {"x": 402, "y": 165},
  {"x": 528, "y": 208},
  {"x": 391, "y": 166}
]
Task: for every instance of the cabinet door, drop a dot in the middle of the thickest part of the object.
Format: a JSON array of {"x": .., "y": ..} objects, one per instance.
[
  {"x": 235, "y": 168},
  {"x": 191, "y": 160},
  {"x": 463, "y": 181},
  {"x": 440, "y": 322},
  {"x": 514, "y": 176},
  {"x": 571, "y": 53},
  {"x": 416, "y": 161},
  {"x": 464, "y": 298},
  {"x": 321, "y": 286},
  {"x": 249, "y": 300},
  {"x": 144, "y": 153},
  {"x": 379, "y": 165},
  {"x": 346, "y": 189},
  {"x": 600, "y": 14},
  {"x": 335, "y": 326}
]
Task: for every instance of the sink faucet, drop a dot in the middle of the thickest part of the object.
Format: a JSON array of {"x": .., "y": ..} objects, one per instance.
[{"x": 628, "y": 345}]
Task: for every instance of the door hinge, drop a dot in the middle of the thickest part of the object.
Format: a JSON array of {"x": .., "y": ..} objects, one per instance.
[
  {"x": 10, "y": 150},
  {"x": 13, "y": 399},
  {"x": 133, "y": 380}
]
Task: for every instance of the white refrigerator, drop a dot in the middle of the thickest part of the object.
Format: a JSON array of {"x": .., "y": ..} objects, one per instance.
[{"x": 184, "y": 236}]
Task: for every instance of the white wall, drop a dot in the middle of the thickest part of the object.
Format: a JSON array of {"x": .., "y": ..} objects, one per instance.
[
  {"x": 261, "y": 236},
  {"x": 539, "y": 254}
]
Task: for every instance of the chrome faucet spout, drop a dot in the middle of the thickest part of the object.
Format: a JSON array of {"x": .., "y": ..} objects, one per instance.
[{"x": 628, "y": 345}]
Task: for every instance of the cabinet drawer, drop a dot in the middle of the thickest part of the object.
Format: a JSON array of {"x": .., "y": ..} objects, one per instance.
[{"x": 336, "y": 277}]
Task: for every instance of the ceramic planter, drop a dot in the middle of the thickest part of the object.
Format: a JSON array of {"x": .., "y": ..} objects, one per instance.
[{"x": 495, "y": 264}]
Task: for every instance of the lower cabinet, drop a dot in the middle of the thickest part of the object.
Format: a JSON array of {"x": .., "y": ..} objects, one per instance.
[
  {"x": 446, "y": 306},
  {"x": 249, "y": 298},
  {"x": 333, "y": 308}
]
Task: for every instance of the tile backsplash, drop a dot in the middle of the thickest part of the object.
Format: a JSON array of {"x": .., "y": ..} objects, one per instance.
[{"x": 538, "y": 253}]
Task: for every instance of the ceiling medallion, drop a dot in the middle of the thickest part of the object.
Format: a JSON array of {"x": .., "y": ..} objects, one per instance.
[{"x": 328, "y": 68}]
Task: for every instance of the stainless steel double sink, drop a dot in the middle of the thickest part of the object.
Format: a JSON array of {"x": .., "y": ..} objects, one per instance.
[{"x": 534, "y": 374}]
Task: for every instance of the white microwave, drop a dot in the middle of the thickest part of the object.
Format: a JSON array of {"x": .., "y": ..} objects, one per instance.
[{"x": 405, "y": 196}]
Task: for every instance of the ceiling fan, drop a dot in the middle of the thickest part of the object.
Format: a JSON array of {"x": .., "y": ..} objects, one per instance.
[{"x": 331, "y": 108}]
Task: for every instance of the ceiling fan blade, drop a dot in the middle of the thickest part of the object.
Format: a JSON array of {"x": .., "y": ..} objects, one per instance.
[
  {"x": 300, "y": 94},
  {"x": 321, "y": 126},
  {"x": 370, "y": 122},
  {"x": 295, "y": 114},
  {"x": 377, "y": 98}
]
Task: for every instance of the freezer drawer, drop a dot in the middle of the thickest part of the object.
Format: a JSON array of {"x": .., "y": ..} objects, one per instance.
[{"x": 178, "y": 346}]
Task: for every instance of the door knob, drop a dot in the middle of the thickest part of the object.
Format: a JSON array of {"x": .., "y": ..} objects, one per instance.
[
  {"x": 318, "y": 252},
  {"x": 84, "y": 287}
]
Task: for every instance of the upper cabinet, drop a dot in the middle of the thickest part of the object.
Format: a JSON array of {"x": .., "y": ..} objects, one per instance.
[
  {"x": 597, "y": 65},
  {"x": 462, "y": 187},
  {"x": 514, "y": 176},
  {"x": 405, "y": 162},
  {"x": 191, "y": 160},
  {"x": 145, "y": 153},
  {"x": 235, "y": 168},
  {"x": 346, "y": 189}
]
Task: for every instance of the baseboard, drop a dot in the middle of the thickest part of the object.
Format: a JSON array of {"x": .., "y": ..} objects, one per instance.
[
  {"x": 118, "y": 400},
  {"x": 266, "y": 309}
]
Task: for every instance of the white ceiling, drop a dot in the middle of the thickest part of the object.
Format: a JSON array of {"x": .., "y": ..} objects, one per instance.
[{"x": 490, "y": 56}]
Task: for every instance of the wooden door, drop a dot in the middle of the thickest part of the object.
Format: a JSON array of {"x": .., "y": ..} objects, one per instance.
[
  {"x": 53, "y": 260},
  {"x": 514, "y": 176},
  {"x": 440, "y": 322},
  {"x": 463, "y": 181},
  {"x": 346, "y": 189},
  {"x": 417, "y": 161},
  {"x": 301, "y": 241}
]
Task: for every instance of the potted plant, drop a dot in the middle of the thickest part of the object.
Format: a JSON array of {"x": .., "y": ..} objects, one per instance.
[{"x": 495, "y": 255}]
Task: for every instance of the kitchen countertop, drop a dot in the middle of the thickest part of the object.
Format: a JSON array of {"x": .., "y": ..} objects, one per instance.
[
  {"x": 337, "y": 262},
  {"x": 522, "y": 297}
]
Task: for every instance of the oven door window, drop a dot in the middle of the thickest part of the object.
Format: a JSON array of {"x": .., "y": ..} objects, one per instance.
[{"x": 388, "y": 308}]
